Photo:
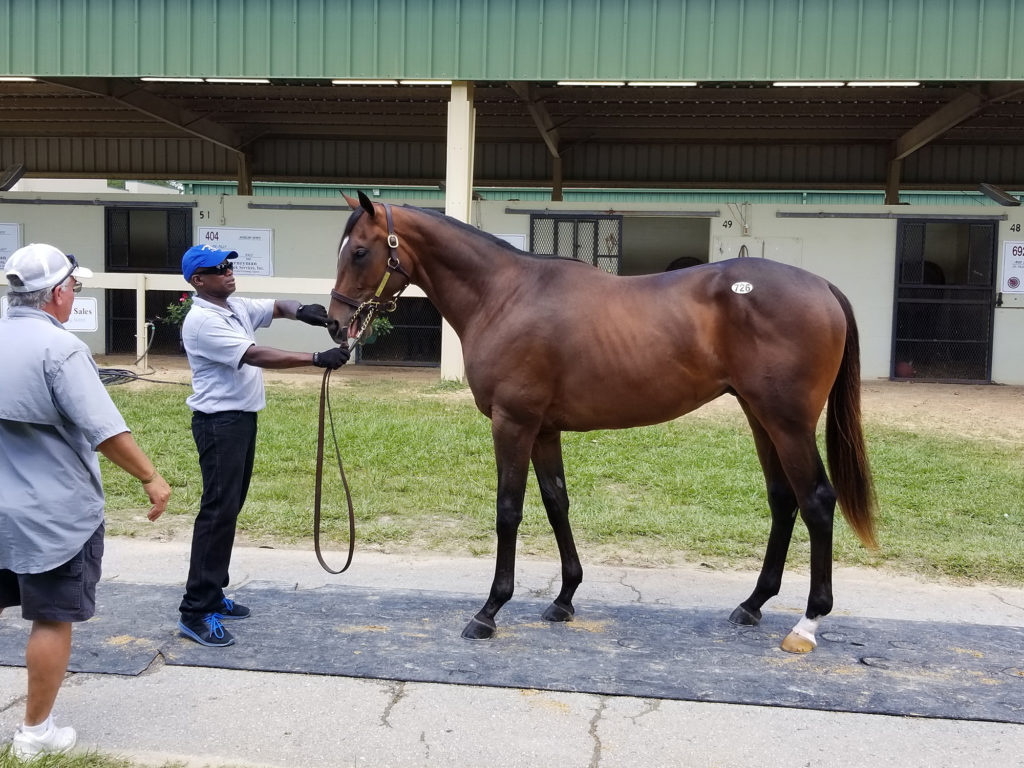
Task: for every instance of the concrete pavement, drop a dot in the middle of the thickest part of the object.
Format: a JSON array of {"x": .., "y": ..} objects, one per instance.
[{"x": 215, "y": 717}]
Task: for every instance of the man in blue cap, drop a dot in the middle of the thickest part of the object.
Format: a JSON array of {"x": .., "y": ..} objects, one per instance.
[{"x": 227, "y": 382}]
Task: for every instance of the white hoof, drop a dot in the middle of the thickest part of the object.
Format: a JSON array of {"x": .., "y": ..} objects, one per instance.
[{"x": 801, "y": 639}]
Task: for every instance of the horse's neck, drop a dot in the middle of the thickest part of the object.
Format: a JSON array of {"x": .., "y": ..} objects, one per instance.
[{"x": 457, "y": 271}]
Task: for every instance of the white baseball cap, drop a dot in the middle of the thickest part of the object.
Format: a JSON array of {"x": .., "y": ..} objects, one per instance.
[{"x": 38, "y": 266}]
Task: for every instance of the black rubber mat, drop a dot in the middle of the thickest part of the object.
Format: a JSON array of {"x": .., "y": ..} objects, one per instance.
[{"x": 929, "y": 669}]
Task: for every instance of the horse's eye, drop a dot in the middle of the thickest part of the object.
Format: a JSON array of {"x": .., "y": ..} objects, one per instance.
[{"x": 360, "y": 253}]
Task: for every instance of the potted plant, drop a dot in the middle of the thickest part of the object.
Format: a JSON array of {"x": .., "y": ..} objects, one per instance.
[
  {"x": 381, "y": 326},
  {"x": 175, "y": 314}
]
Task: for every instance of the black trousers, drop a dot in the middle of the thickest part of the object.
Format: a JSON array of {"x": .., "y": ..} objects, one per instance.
[{"x": 227, "y": 447}]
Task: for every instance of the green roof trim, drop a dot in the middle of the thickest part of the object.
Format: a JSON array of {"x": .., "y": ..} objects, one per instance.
[
  {"x": 421, "y": 195},
  {"x": 498, "y": 40}
]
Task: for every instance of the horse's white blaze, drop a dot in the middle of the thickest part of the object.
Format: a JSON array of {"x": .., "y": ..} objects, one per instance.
[{"x": 806, "y": 629}]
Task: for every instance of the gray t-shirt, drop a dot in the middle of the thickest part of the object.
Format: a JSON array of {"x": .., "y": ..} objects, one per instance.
[
  {"x": 215, "y": 340},
  {"x": 54, "y": 412}
]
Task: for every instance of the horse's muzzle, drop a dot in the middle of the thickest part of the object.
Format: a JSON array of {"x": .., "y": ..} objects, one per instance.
[{"x": 337, "y": 331}]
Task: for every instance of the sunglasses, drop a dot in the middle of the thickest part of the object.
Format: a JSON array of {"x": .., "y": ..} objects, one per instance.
[
  {"x": 77, "y": 287},
  {"x": 221, "y": 269}
]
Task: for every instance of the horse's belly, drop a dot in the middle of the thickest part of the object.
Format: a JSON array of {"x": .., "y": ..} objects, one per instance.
[{"x": 621, "y": 407}]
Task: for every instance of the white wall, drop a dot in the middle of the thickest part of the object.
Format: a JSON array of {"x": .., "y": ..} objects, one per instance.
[
  {"x": 94, "y": 186},
  {"x": 856, "y": 254}
]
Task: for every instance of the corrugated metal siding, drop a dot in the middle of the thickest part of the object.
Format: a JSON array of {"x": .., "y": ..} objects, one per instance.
[
  {"x": 724, "y": 164},
  {"x": 423, "y": 163},
  {"x": 710, "y": 40},
  {"x": 120, "y": 158},
  {"x": 326, "y": 158}
]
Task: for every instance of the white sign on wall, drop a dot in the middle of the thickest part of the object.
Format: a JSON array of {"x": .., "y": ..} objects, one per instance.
[
  {"x": 10, "y": 241},
  {"x": 254, "y": 246},
  {"x": 84, "y": 317},
  {"x": 1013, "y": 266},
  {"x": 517, "y": 241}
]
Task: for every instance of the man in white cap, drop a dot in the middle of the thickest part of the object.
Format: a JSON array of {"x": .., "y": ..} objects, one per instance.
[{"x": 55, "y": 414}]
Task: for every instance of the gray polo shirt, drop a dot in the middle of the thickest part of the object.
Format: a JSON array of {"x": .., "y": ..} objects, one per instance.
[
  {"x": 215, "y": 340},
  {"x": 54, "y": 411}
]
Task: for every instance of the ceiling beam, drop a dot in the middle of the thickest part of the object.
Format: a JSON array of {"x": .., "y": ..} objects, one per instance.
[
  {"x": 539, "y": 112},
  {"x": 963, "y": 107},
  {"x": 131, "y": 94}
]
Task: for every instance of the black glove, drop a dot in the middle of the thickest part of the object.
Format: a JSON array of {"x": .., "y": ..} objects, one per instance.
[
  {"x": 313, "y": 314},
  {"x": 333, "y": 358}
]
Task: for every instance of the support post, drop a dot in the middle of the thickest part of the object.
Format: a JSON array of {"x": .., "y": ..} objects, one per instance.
[
  {"x": 244, "y": 174},
  {"x": 892, "y": 182},
  {"x": 458, "y": 197},
  {"x": 556, "y": 180},
  {"x": 141, "y": 355}
]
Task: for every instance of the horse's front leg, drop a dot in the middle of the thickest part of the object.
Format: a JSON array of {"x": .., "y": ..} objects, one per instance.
[
  {"x": 547, "y": 465},
  {"x": 512, "y": 452}
]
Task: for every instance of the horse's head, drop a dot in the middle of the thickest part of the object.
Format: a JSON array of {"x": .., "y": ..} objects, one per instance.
[{"x": 370, "y": 274}]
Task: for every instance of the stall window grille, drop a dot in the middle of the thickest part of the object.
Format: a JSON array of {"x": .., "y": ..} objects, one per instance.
[
  {"x": 945, "y": 301},
  {"x": 596, "y": 240},
  {"x": 415, "y": 338},
  {"x": 144, "y": 240}
]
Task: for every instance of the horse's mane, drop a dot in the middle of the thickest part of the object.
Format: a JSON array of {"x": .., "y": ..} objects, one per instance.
[
  {"x": 354, "y": 217},
  {"x": 469, "y": 228},
  {"x": 489, "y": 237}
]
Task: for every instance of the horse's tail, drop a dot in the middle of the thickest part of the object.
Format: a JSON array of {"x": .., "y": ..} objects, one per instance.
[{"x": 844, "y": 437}]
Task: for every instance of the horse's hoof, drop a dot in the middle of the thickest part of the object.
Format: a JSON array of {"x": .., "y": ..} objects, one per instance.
[
  {"x": 745, "y": 618},
  {"x": 556, "y": 612},
  {"x": 795, "y": 643},
  {"x": 479, "y": 629}
]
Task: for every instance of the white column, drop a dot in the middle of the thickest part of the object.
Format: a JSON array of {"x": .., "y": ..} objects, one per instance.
[
  {"x": 458, "y": 197},
  {"x": 141, "y": 337}
]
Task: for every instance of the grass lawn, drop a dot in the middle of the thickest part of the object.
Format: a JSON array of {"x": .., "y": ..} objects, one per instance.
[{"x": 420, "y": 463}]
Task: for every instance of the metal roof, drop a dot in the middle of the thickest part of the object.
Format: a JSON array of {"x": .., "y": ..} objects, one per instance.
[
  {"x": 90, "y": 113},
  {"x": 524, "y": 40}
]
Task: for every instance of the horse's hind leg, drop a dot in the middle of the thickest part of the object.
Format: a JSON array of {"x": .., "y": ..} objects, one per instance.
[
  {"x": 512, "y": 444},
  {"x": 547, "y": 464},
  {"x": 783, "y": 505},
  {"x": 799, "y": 459}
]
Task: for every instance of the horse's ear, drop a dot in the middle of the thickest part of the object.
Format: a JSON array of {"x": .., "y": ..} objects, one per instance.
[
  {"x": 364, "y": 201},
  {"x": 352, "y": 202}
]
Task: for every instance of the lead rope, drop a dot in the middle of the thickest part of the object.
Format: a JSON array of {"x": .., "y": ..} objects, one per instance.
[{"x": 325, "y": 400}]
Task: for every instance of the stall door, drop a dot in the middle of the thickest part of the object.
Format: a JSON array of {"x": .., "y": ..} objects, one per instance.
[{"x": 945, "y": 300}]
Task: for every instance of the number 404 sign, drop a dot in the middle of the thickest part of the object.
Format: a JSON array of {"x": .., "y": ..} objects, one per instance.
[{"x": 254, "y": 248}]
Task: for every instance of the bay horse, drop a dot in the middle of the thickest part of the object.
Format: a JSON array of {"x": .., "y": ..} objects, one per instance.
[{"x": 554, "y": 344}]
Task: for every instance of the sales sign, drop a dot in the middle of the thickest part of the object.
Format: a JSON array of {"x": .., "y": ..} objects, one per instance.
[{"x": 83, "y": 319}]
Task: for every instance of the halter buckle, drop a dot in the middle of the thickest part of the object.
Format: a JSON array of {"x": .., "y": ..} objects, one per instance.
[{"x": 392, "y": 240}]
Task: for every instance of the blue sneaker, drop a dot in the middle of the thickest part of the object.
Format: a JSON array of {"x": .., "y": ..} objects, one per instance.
[
  {"x": 206, "y": 631},
  {"x": 233, "y": 610}
]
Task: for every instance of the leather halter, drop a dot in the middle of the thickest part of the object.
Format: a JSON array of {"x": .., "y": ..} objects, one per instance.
[{"x": 393, "y": 266}]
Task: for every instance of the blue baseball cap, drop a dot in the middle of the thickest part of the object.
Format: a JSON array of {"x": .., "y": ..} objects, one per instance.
[{"x": 199, "y": 256}]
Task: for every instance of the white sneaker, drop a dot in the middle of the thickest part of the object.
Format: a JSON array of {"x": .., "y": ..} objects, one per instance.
[{"x": 27, "y": 745}]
